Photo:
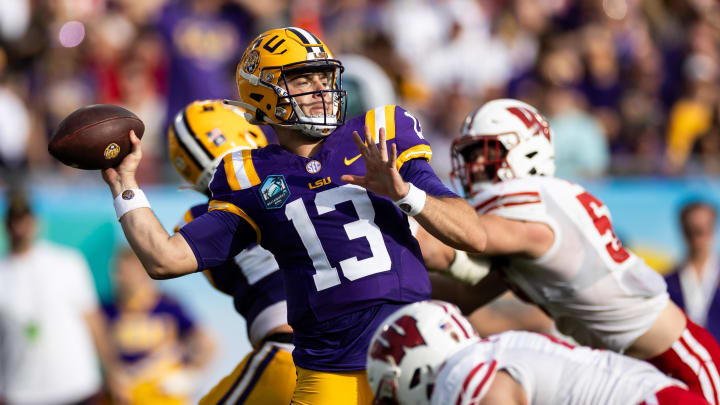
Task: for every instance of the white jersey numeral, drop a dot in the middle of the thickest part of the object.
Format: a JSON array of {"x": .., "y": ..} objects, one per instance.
[
  {"x": 416, "y": 126},
  {"x": 327, "y": 276}
]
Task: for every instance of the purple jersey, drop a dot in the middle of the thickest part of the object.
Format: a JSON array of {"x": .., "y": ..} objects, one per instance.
[
  {"x": 254, "y": 281},
  {"x": 138, "y": 334},
  {"x": 203, "y": 49},
  {"x": 343, "y": 250}
]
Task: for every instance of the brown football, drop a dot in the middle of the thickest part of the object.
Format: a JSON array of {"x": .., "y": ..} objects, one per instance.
[{"x": 95, "y": 137}]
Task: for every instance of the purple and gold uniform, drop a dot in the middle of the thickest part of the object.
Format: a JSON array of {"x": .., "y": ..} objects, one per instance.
[
  {"x": 147, "y": 334},
  {"x": 347, "y": 255},
  {"x": 266, "y": 375}
]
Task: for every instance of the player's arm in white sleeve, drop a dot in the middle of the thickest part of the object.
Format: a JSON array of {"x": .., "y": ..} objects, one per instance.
[
  {"x": 508, "y": 237},
  {"x": 163, "y": 255},
  {"x": 450, "y": 219}
]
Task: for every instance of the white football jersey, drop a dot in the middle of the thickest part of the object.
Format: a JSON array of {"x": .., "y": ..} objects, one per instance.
[
  {"x": 596, "y": 291},
  {"x": 551, "y": 373}
]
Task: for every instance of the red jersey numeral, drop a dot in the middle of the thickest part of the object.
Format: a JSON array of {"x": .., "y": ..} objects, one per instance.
[{"x": 602, "y": 223}]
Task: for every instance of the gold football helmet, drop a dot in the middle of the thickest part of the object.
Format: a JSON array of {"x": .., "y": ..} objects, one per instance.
[
  {"x": 202, "y": 133},
  {"x": 262, "y": 81}
]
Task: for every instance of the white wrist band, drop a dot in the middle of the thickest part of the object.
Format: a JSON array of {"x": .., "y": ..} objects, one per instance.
[
  {"x": 413, "y": 202},
  {"x": 129, "y": 200},
  {"x": 469, "y": 269}
]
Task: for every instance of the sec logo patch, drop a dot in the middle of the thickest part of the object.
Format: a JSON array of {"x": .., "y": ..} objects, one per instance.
[{"x": 313, "y": 166}]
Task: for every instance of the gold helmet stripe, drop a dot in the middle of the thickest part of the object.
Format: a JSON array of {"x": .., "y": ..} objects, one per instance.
[
  {"x": 184, "y": 147},
  {"x": 188, "y": 141},
  {"x": 196, "y": 137}
]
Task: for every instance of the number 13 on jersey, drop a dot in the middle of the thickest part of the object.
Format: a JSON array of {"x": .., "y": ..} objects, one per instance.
[{"x": 327, "y": 276}]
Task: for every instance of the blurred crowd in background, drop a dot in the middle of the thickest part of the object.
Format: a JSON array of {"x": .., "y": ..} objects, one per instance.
[{"x": 630, "y": 86}]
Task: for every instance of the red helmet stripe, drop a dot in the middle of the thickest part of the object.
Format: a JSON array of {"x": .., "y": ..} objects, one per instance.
[{"x": 461, "y": 326}]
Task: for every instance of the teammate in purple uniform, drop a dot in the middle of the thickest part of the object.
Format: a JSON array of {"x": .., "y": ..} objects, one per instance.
[
  {"x": 334, "y": 219},
  {"x": 200, "y": 135}
]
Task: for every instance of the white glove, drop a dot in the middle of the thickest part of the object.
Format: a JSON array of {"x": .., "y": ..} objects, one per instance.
[{"x": 469, "y": 269}]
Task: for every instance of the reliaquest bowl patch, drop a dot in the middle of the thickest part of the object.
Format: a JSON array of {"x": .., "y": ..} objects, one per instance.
[{"x": 274, "y": 191}]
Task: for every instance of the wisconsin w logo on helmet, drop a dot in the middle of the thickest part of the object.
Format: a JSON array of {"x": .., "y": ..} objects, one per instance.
[
  {"x": 395, "y": 342},
  {"x": 409, "y": 347},
  {"x": 262, "y": 79}
]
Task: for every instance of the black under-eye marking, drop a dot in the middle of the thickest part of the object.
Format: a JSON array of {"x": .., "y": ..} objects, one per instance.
[{"x": 531, "y": 155}]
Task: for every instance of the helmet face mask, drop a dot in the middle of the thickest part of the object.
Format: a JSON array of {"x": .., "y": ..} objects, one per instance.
[
  {"x": 481, "y": 159},
  {"x": 330, "y": 98},
  {"x": 268, "y": 66},
  {"x": 514, "y": 140},
  {"x": 408, "y": 349}
]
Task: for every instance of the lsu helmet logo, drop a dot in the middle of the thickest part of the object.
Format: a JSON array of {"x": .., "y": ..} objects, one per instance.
[
  {"x": 252, "y": 61},
  {"x": 111, "y": 151}
]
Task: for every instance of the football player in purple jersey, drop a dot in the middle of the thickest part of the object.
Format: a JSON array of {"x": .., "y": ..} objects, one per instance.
[
  {"x": 200, "y": 135},
  {"x": 329, "y": 203}
]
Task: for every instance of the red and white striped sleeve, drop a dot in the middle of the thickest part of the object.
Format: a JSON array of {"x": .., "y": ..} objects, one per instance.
[
  {"x": 518, "y": 199},
  {"x": 476, "y": 383},
  {"x": 467, "y": 375}
]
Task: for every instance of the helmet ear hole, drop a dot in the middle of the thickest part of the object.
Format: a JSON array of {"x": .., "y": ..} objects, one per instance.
[
  {"x": 415, "y": 380},
  {"x": 429, "y": 390}
]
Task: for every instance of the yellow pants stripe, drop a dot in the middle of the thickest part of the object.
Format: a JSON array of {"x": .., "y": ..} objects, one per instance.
[{"x": 265, "y": 376}]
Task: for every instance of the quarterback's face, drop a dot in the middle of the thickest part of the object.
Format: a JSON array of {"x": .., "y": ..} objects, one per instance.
[{"x": 314, "y": 104}]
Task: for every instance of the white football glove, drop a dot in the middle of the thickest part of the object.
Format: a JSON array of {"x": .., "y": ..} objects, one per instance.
[{"x": 469, "y": 269}]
